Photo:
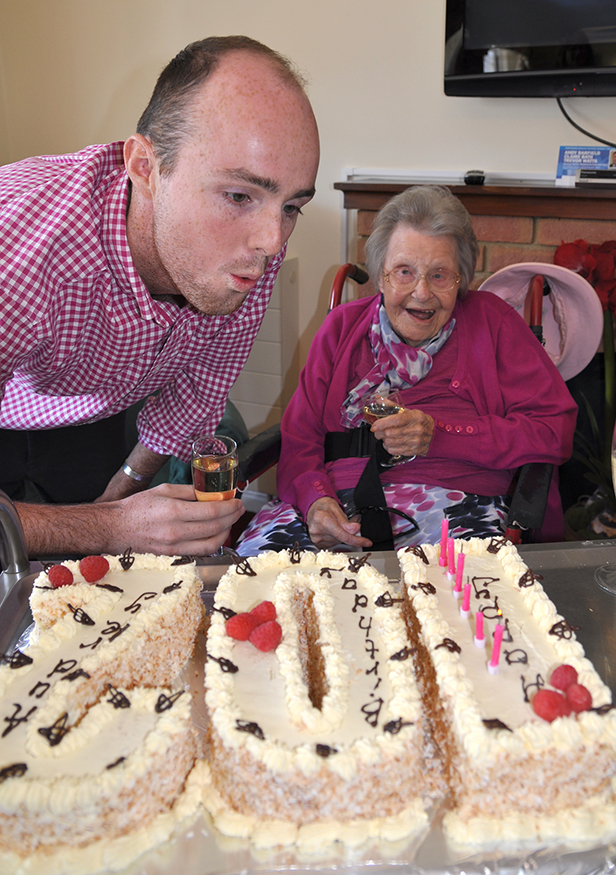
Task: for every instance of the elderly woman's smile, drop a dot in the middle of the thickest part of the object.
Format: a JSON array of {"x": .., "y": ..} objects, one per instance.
[{"x": 419, "y": 314}]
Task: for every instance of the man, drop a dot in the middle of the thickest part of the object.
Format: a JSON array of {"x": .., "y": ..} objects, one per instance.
[{"x": 139, "y": 269}]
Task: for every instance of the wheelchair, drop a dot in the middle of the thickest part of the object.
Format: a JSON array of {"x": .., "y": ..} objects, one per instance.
[{"x": 530, "y": 485}]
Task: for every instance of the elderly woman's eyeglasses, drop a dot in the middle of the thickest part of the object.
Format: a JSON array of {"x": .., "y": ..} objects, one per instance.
[{"x": 406, "y": 279}]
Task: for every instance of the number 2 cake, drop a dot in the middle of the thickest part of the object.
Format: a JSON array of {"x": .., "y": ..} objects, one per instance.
[{"x": 96, "y": 741}]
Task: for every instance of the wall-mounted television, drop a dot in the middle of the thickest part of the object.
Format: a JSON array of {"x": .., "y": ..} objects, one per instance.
[{"x": 530, "y": 48}]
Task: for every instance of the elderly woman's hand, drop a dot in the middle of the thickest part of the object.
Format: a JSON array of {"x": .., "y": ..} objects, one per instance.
[
  {"x": 408, "y": 433},
  {"x": 328, "y": 525}
]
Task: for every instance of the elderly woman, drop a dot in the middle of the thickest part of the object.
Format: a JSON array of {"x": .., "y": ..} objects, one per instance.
[{"x": 477, "y": 397}]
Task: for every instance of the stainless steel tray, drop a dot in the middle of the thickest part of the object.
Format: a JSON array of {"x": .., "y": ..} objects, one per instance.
[{"x": 568, "y": 577}]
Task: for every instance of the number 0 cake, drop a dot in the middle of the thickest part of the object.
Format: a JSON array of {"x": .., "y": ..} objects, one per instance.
[{"x": 324, "y": 737}]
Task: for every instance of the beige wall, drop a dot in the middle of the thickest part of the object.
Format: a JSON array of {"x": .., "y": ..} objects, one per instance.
[{"x": 75, "y": 72}]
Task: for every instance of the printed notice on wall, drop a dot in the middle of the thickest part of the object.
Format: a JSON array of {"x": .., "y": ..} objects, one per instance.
[{"x": 572, "y": 159}]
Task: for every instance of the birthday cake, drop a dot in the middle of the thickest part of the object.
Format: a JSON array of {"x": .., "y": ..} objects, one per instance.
[
  {"x": 323, "y": 737},
  {"x": 96, "y": 737},
  {"x": 524, "y": 723}
]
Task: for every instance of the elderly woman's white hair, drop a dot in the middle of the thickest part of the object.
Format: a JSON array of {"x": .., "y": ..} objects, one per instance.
[{"x": 431, "y": 210}]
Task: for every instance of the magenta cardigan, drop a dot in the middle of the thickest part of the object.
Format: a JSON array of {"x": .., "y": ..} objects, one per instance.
[{"x": 496, "y": 399}]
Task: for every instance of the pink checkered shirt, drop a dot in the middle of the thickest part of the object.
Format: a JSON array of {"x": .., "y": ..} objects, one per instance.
[{"x": 80, "y": 336}]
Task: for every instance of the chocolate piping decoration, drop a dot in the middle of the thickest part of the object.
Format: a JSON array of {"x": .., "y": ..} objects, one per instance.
[
  {"x": 225, "y": 664},
  {"x": 126, "y": 560},
  {"x": 62, "y": 666},
  {"x": 418, "y": 551},
  {"x": 93, "y": 645},
  {"x": 295, "y": 554},
  {"x": 110, "y": 587},
  {"x": 485, "y": 592},
  {"x": 528, "y": 578},
  {"x": 495, "y": 611},
  {"x": 118, "y": 699},
  {"x": 357, "y": 562},
  {"x": 184, "y": 560},
  {"x": 395, "y": 726},
  {"x": 17, "y": 659},
  {"x": 14, "y": 721},
  {"x": 78, "y": 673},
  {"x": 403, "y": 654},
  {"x": 386, "y": 600},
  {"x": 14, "y": 771},
  {"x": 172, "y": 587},
  {"x": 80, "y": 616},
  {"x": 539, "y": 683},
  {"x": 425, "y": 587},
  {"x": 563, "y": 629},
  {"x": 450, "y": 645},
  {"x": 324, "y": 750},
  {"x": 512, "y": 658},
  {"x": 244, "y": 567},
  {"x": 349, "y": 583},
  {"x": 496, "y": 543},
  {"x": 495, "y": 723},
  {"x": 507, "y": 636},
  {"x": 116, "y": 763},
  {"x": 165, "y": 702},
  {"x": 38, "y": 684},
  {"x": 604, "y": 709},
  {"x": 56, "y": 732},
  {"x": 114, "y": 629},
  {"x": 252, "y": 728},
  {"x": 361, "y": 601},
  {"x": 135, "y": 607},
  {"x": 372, "y": 711},
  {"x": 226, "y": 612}
]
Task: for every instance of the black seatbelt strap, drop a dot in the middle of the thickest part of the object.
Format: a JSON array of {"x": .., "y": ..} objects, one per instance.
[{"x": 370, "y": 500}]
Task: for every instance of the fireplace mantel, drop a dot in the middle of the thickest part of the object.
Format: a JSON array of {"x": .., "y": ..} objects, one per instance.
[{"x": 537, "y": 201}]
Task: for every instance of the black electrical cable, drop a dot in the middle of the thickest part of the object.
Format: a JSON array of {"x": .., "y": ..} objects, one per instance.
[{"x": 570, "y": 120}]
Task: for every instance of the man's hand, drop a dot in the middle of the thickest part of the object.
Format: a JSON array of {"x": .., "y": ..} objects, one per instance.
[
  {"x": 408, "y": 433},
  {"x": 328, "y": 526},
  {"x": 165, "y": 520}
]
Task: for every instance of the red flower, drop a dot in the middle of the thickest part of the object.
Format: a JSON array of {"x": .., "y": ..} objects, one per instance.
[{"x": 596, "y": 263}]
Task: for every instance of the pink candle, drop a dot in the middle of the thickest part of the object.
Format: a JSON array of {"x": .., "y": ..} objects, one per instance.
[
  {"x": 498, "y": 637},
  {"x": 457, "y": 587},
  {"x": 451, "y": 559},
  {"x": 442, "y": 559},
  {"x": 480, "y": 638},
  {"x": 465, "y": 610}
]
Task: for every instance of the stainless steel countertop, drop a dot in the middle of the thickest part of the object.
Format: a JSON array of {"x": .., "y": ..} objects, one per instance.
[{"x": 568, "y": 577}]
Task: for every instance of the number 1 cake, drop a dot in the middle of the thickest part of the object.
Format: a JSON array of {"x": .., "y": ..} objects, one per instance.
[{"x": 512, "y": 774}]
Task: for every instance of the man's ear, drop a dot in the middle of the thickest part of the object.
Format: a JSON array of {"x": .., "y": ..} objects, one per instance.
[{"x": 141, "y": 164}]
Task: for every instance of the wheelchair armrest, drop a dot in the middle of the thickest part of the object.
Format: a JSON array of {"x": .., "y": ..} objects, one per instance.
[
  {"x": 257, "y": 455},
  {"x": 530, "y": 497}
]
